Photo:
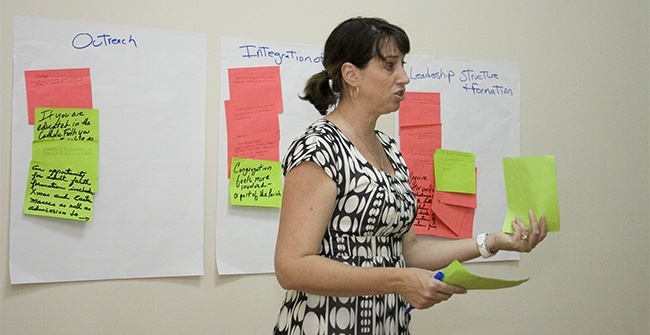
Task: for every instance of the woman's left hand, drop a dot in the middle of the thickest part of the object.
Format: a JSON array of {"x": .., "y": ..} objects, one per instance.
[{"x": 523, "y": 239}]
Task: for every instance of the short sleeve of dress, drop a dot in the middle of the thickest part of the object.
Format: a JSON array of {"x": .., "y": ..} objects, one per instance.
[{"x": 317, "y": 144}]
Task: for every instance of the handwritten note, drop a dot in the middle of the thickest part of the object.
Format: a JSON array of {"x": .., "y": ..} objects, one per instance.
[
  {"x": 421, "y": 181},
  {"x": 419, "y": 108},
  {"x": 478, "y": 81},
  {"x": 454, "y": 171},
  {"x": 255, "y": 182},
  {"x": 252, "y": 113},
  {"x": 63, "y": 174},
  {"x": 279, "y": 55},
  {"x": 259, "y": 84},
  {"x": 253, "y": 130},
  {"x": 531, "y": 183},
  {"x": 79, "y": 127},
  {"x": 77, "y": 124},
  {"x": 59, "y": 191},
  {"x": 418, "y": 143},
  {"x": 71, "y": 154},
  {"x": 58, "y": 88}
]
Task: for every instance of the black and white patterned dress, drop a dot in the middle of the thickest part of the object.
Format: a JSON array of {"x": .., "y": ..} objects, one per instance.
[{"x": 373, "y": 211}]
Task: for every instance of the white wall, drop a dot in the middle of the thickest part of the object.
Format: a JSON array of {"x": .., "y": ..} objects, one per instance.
[{"x": 585, "y": 82}]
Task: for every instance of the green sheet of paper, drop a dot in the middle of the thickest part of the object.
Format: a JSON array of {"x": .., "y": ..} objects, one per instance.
[
  {"x": 76, "y": 124},
  {"x": 456, "y": 274},
  {"x": 531, "y": 183},
  {"x": 58, "y": 191},
  {"x": 63, "y": 174},
  {"x": 454, "y": 171},
  {"x": 255, "y": 182},
  {"x": 73, "y": 154}
]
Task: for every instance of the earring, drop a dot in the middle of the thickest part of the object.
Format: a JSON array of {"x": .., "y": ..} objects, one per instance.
[{"x": 355, "y": 89}]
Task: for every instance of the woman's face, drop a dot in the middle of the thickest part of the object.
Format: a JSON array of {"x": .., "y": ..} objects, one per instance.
[{"x": 383, "y": 82}]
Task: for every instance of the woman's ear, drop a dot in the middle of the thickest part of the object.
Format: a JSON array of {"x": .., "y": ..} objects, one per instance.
[{"x": 350, "y": 74}]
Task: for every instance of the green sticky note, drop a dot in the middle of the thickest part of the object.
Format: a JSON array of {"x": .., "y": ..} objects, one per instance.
[
  {"x": 75, "y": 124},
  {"x": 454, "y": 171},
  {"x": 70, "y": 153},
  {"x": 531, "y": 183},
  {"x": 255, "y": 182},
  {"x": 59, "y": 191},
  {"x": 456, "y": 274}
]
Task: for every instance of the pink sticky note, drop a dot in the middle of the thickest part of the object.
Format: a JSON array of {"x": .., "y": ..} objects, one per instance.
[
  {"x": 253, "y": 131},
  {"x": 258, "y": 85},
  {"x": 419, "y": 108},
  {"x": 63, "y": 88},
  {"x": 422, "y": 184},
  {"x": 423, "y": 140},
  {"x": 452, "y": 221}
]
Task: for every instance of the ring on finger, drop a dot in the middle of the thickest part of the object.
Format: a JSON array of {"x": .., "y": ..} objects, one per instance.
[{"x": 524, "y": 237}]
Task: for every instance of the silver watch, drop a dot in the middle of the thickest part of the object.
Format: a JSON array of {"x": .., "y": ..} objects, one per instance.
[{"x": 483, "y": 248}]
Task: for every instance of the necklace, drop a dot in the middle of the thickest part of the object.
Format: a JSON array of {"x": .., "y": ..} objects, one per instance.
[{"x": 380, "y": 161}]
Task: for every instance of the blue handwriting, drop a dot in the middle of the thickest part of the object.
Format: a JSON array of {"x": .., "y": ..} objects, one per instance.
[
  {"x": 435, "y": 75},
  {"x": 85, "y": 40},
  {"x": 257, "y": 51}
]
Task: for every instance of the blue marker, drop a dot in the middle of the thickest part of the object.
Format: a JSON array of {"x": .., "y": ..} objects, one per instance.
[{"x": 439, "y": 275}]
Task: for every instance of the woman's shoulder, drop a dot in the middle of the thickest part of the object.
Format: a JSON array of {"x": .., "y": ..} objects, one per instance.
[
  {"x": 321, "y": 126},
  {"x": 319, "y": 130},
  {"x": 318, "y": 143}
]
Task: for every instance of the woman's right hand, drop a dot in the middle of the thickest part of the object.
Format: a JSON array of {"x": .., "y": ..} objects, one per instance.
[{"x": 422, "y": 290}]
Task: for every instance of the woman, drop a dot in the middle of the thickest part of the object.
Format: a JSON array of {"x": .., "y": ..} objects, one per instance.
[{"x": 346, "y": 252}]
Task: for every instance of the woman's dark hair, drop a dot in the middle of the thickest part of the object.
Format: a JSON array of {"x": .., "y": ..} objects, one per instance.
[{"x": 357, "y": 40}]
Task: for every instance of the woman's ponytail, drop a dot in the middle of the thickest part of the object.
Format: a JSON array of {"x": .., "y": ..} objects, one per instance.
[{"x": 319, "y": 92}]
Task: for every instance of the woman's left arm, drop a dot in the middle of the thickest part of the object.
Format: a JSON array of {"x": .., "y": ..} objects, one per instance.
[{"x": 437, "y": 254}]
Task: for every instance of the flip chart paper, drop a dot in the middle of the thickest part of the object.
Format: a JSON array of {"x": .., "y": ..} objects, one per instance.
[
  {"x": 246, "y": 237},
  {"x": 454, "y": 171},
  {"x": 456, "y": 274},
  {"x": 531, "y": 183},
  {"x": 59, "y": 191},
  {"x": 479, "y": 113},
  {"x": 148, "y": 215},
  {"x": 255, "y": 182},
  {"x": 57, "y": 88}
]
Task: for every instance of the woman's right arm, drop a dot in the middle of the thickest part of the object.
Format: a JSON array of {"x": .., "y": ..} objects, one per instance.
[{"x": 308, "y": 202}]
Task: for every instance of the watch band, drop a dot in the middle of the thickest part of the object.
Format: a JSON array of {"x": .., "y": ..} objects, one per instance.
[{"x": 483, "y": 248}]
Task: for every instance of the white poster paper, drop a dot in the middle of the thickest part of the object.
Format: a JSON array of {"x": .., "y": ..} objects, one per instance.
[
  {"x": 479, "y": 110},
  {"x": 149, "y": 88},
  {"x": 246, "y": 235}
]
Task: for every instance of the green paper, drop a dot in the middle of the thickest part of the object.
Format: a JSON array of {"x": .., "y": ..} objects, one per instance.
[
  {"x": 456, "y": 274},
  {"x": 75, "y": 124},
  {"x": 531, "y": 184},
  {"x": 63, "y": 174},
  {"x": 454, "y": 171},
  {"x": 73, "y": 154},
  {"x": 255, "y": 182},
  {"x": 59, "y": 191}
]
